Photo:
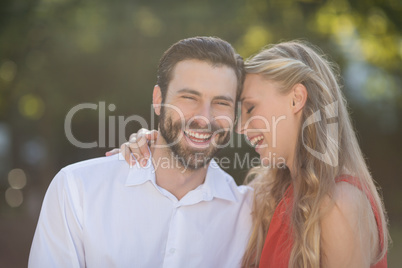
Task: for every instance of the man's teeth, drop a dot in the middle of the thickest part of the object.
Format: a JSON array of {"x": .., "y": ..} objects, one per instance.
[
  {"x": 203, "y": 136},
  {"x": 255, "y": 140}
]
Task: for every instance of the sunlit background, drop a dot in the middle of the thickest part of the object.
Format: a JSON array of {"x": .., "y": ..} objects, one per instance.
[{"x": 56, "y": 54}]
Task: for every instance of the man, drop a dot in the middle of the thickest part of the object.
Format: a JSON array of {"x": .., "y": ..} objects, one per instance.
[{"x": 182, "y": 211}]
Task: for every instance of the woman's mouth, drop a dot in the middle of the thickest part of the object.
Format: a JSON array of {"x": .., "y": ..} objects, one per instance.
[{"x": 256, "y": 140}]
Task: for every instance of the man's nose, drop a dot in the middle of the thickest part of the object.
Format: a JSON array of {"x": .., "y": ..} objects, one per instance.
[{"x": 203, "y": 117}]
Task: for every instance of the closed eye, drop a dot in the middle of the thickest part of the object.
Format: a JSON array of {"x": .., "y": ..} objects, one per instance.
[
  {"x": 250, "y": 109},
  {"x": 188, "y": 97}
]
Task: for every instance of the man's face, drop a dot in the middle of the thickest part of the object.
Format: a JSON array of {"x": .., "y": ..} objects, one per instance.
[{"x": 197, "y": 116}]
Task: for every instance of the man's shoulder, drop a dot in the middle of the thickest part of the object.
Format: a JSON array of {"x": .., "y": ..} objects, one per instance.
[
  {"x": 224, "y": 181},
  {"x": 96, "y": 163},
  {"x": 240, "y": 191},
  {"x": 94, "y": 170},
  {"x": 226, "y": 176}
]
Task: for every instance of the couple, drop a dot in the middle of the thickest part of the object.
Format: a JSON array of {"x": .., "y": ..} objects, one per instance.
[{"x": 319, "y": 209}]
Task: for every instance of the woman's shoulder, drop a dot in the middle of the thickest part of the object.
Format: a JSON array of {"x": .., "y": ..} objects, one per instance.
[
  {"x": 346, "y": 198},
  {"x": 343, "y": 206},
  {"x": 348, "y": 224},
  {"x": 347, "y": 205}
]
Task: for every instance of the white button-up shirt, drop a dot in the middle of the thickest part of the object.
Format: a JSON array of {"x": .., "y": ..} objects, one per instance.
[{"x": 101, "y": 213}]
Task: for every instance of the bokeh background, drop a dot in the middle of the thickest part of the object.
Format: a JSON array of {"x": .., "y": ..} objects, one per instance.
[{"x": 56, "y": 54}]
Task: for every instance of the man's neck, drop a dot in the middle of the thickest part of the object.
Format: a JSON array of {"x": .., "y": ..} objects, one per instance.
[{"x": 171, "y": 174}]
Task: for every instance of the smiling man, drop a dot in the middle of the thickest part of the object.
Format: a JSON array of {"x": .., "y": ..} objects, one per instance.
[
  {"x": 201, "y": 96},
  {"x": 189, "y": 213}
]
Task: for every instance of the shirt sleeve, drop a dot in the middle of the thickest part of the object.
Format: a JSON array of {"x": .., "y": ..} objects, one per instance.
[{"x": 58, "y": 237}]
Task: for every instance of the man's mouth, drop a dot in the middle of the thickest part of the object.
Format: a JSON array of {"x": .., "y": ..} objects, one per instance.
[{"x": 198, "y": 137}]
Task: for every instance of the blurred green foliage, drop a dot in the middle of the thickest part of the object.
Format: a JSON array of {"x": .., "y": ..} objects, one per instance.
[{"x": 55, "y": 54}]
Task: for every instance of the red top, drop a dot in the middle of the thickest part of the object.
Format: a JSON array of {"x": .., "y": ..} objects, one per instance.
[{"x": 278, "y": 243}]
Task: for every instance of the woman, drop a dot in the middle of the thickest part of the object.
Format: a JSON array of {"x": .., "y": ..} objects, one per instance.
[
  {"x": 325, "y": 194},
  {"x": 322, "y": 207}
]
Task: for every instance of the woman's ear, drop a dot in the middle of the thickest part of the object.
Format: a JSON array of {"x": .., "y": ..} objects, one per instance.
[
  {"x": 157, "y": 100},
  {"x": 299, "y": 97}
]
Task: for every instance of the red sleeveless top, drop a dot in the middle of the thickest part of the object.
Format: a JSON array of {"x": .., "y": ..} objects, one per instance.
[{"x": 278, "y": 243}]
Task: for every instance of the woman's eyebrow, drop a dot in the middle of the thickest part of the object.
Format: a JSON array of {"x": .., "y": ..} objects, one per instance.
[{"x": 244, "y": 98}]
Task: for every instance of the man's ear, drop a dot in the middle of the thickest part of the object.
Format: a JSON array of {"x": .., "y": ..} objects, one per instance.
[
  {"x": 298, "y": 97},
  {"x": 157, "y": 100}
]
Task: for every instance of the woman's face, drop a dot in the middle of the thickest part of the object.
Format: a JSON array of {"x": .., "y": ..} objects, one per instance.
[{"x": 268, "y": 120}]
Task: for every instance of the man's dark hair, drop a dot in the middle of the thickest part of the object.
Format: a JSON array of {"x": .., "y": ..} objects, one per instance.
[{"x": 210, "y": 49}]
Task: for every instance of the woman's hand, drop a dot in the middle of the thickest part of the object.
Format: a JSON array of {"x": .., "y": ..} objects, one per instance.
[{"x": 137, "y": 148}]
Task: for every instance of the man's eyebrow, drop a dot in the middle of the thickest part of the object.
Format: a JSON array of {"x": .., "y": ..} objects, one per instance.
[
  {"x": 191, "y": 91},
  {"x": 225, "y": 98},
  {"x": 195, "y": 92}
]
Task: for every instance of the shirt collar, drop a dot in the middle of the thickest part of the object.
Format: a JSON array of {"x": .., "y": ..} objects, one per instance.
[
  {"x": 216, "y": 184},
  {"x": 139, "y": 175}
]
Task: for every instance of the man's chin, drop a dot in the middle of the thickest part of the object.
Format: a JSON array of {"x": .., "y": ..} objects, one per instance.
[
  {"x": 192, "y": 158},
  {"x": 190, "y": 164}
]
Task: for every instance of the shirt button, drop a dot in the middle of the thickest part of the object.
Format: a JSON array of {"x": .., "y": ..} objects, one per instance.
[{"x": 172, "y": 251}]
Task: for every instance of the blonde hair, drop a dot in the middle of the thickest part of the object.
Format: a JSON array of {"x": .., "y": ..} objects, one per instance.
[{"x": 288, "y": 64}]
